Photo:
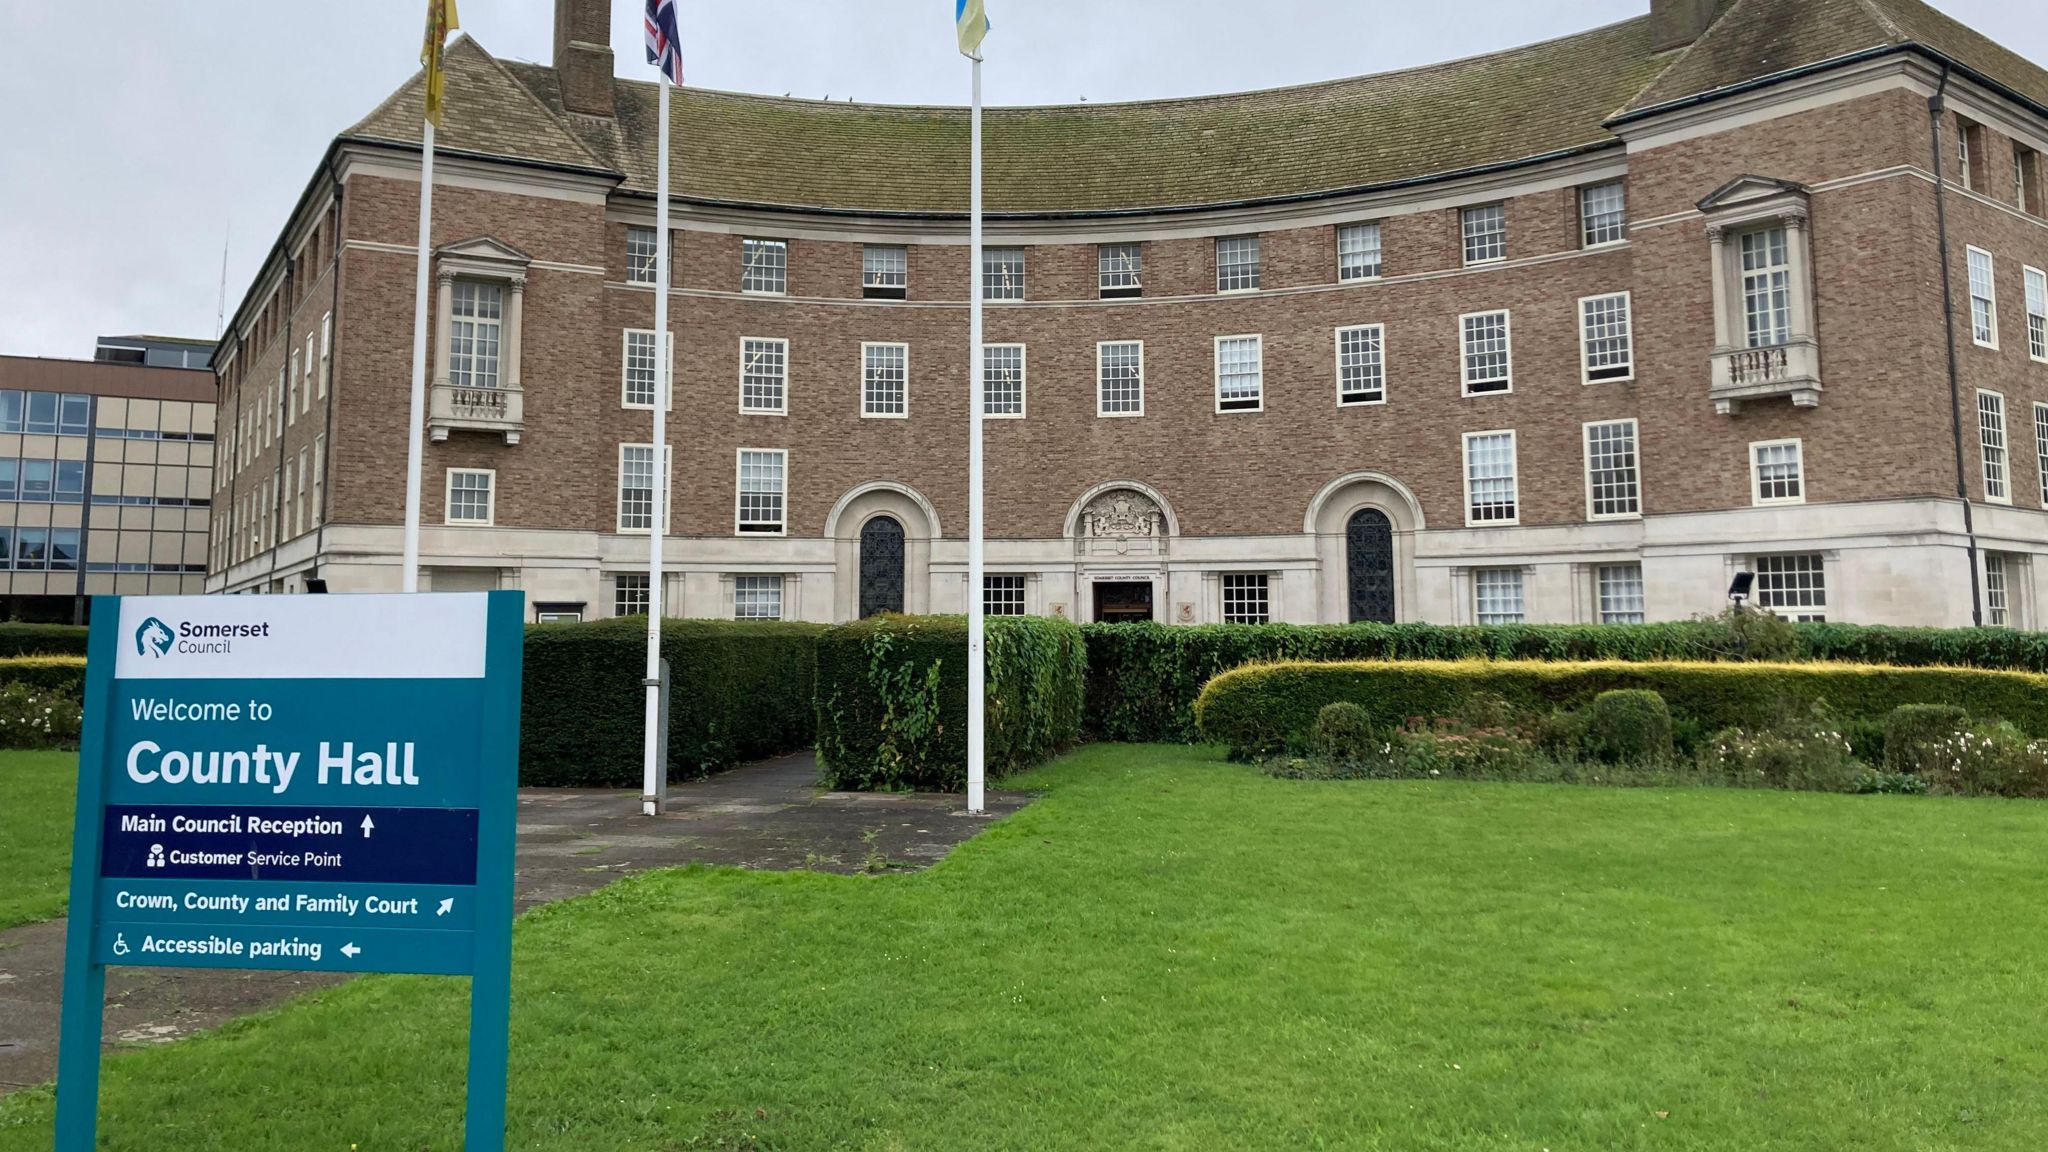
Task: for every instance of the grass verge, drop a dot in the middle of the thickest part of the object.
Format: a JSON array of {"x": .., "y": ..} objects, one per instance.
[
  {"x": 1171, "y": 952},
  {"x": 36, "y": 790}
]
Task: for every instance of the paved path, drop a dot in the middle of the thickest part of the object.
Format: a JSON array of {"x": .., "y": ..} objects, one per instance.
[{"x": 768, "y": 815}]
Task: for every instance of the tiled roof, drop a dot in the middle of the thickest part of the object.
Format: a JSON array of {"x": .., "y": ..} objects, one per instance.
[
  {"x": 1758, "y": 38},
  {"x": 486, "y": 112},
  {"x": 1084, "y": 158},
  {"x": 1105, "y": 158}
]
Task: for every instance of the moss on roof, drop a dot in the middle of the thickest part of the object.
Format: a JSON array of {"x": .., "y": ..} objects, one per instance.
[
  {"x": 1757, "y": 38},
  {"x": 1082, "y": 158},
  {"x": 1104, "y": 158}
]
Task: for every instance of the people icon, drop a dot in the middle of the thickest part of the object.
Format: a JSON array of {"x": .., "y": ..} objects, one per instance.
[
  {"x": 120, "y": 944},
  {"x": 156, "y": 857}
]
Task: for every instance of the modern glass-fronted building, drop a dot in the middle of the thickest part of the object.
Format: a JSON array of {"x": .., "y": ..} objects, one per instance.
[{"x": 105, "y": 482}]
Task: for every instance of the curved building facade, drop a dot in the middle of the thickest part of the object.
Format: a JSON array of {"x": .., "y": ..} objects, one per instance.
[{"x": 1569, "y": 333}]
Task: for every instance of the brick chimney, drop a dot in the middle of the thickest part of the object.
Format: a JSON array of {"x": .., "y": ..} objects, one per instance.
[
  {"x": 1677, "y": 22},
  {"x": 583, "y": 55}
]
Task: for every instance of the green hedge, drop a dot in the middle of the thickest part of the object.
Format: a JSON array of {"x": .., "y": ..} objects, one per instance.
[
  {"x": 739, "y": 691},
  {"x": 53, "y": 673},
  {"x": 1143, "y": 678},
  {"x": 1267, "y": 708},
  {"x": 892, "y": 699},
  {"x": 42, "y": 639}
]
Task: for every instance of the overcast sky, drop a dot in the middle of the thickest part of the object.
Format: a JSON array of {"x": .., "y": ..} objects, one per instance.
[{"x": 122, "y": 172}]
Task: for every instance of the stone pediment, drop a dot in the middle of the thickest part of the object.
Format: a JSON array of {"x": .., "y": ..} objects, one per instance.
[
  {"x": 1749, "y": 191},
  {"x": 483, "y": 253}
]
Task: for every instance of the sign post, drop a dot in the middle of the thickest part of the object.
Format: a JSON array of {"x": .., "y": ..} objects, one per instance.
[{"x": 326, "y": 783}]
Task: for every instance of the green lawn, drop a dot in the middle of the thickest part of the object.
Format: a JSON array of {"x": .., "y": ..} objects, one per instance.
[
  {"x": 35, "y": 834},
  {"x": 1171, "y": 952}
]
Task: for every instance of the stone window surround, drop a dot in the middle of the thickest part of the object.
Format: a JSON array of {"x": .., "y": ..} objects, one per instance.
[
  {"x": 1465, "y": 591},
  {"x": 488, "y": 261},
  {"x": 1791, "y": 369}
]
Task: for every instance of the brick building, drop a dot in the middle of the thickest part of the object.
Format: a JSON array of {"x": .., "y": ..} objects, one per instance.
[{"x": 1573, "y": 332}]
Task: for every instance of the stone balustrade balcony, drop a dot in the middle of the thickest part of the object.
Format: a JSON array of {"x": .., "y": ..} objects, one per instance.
[
  {"x": 455, "y": 408},
  {"x": 1790, "y": 370}
]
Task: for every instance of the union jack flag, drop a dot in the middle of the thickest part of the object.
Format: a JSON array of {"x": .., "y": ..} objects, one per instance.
[{"x": 664, "y": 45}]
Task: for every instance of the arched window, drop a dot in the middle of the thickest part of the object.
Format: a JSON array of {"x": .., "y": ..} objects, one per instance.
[
  {"x": 1369, "y": 564},
  {"x": 881, "y": 566}
]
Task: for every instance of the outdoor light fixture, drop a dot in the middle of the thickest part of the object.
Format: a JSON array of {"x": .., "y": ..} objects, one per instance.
[{"x": 1738, "y": 589}]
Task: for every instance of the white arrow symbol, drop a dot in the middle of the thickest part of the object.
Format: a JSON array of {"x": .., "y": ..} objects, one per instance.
[
  {"x": 350, "y": 950},
  {"x": 446, "y": 906},
  {"x": 367, "y": 825}
]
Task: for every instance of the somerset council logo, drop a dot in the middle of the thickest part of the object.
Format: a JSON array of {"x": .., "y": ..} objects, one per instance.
[{"x": 153, "y": 638}]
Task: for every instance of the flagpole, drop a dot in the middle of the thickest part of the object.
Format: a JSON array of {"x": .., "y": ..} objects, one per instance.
[
  {"x": 651, "y": 782},
  {"x": 977, "y": 657},
  {"x": 410, "y": 577}
]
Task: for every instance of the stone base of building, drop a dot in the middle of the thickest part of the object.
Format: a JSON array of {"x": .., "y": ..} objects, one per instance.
[{"x": 1899, "y": 563}]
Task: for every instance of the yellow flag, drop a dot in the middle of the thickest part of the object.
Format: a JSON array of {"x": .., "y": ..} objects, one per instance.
[{"x": 440, "y": 21}]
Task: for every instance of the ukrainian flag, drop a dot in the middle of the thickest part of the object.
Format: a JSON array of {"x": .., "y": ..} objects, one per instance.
[{"x": 973, "y": 21}]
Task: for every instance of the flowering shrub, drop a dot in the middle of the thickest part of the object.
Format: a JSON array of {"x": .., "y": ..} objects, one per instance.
[
  {"x": 32, "y": 717},
  {"x": 1988, "y": 760},
  {"x": 1809, "y": 754}
]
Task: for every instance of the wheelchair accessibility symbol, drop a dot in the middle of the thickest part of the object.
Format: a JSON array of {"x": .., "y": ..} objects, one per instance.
[{"x": 120, "y": 944}]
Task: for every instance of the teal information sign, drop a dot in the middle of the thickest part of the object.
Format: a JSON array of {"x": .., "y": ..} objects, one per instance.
[{"x": 326, "y": 783}]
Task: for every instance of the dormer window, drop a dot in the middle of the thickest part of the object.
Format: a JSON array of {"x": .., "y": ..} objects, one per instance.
[{"x": 1764, "y": 336}]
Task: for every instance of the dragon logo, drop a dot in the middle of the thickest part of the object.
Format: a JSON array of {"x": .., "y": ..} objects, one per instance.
[{"x": 153, "y": 638}]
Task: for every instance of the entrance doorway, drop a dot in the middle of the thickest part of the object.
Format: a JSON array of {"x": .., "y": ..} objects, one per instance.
[
  {"x": 881, "y": 566},
  {"x": 1369, "y": 565},
  {"x": 1123, "y": 602}
]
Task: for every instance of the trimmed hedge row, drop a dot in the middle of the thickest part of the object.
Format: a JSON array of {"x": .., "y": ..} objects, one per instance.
[
  {"x": 892, "y": 699},
  {"x": 739, "y": 691},
  {"x": 41, "y": 639},
  {"x": 1266, "y": 708},
  {"x": 1143, "y": 678},
  {"x": 51, "y": 673}
]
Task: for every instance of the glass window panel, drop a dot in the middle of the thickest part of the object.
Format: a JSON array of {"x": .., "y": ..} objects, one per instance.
[
  {"x": 1002, "y": 274},
  {"x": 1120, "y": 269},
  {"x": 1237, "y": 263},
  {"x": 1605, "y": 337},
  {"x": 1358, "y": 251},
  {"x": 1490, "y": 483},
  {"x": 1497, "y": 595},
  {"x": 764, "y": 266},
  {"x": 1488, "y": 364},
  {"x": 1486, "y": 233},
  {"x": 630, "y": 594},
  {"x": 762, "y": 476},
  {"x": 885, "y": 380},
  {"x": 1766, "y": 288},
  {"x": 1245, "y": 599},
  {"x": 1779, "y": 472},
  {"x": 1002, "y": 379},
  {"x": 1621, "y": 593},
  {"x": 1002, "y": 595},
  {"x": 764, "y": 375},
  {"x": 1120, "y": 378},
  {"x": 757, "y": 598},
  {"x": 1361, "y": 367},
  {"x": 1611, "y": 469},
  {"x": 1239, "y": 374},
  {"x": 1603, "y": 214}
]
